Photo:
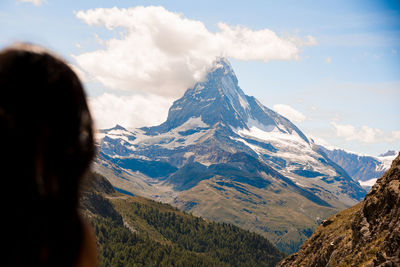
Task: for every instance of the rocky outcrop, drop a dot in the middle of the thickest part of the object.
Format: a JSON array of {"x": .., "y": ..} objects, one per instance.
[{"x": 367, "y": 234}]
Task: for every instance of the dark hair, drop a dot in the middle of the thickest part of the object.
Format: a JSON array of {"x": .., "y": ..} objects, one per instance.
[{"x": 46, "y": 146}]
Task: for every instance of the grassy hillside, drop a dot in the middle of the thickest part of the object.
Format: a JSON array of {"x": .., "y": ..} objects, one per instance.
[
  {"x": 273, "y": 213},
  {"x": 134, "y": 231}
]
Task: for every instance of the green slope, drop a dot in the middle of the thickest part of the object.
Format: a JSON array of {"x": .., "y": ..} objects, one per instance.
[{"x": 134, "y": 231}]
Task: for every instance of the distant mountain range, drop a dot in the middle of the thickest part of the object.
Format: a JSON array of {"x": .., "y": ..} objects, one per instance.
[
  {"x": 367, "y": 234},
  {"x": 224, "y": 156},
  {"x": 362, "y": 168}
]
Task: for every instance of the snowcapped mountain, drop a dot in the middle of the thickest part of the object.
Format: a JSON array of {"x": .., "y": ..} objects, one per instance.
[
  {"x": 362, "y": 168},
  {"x": 223, "y": 155}
]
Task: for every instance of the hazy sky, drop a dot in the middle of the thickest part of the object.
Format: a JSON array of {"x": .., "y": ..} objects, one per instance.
[{"x": 332, "y": 67}]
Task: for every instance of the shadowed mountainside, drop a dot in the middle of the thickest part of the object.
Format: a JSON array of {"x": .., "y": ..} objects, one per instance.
[{"x": 134, "y": 231}]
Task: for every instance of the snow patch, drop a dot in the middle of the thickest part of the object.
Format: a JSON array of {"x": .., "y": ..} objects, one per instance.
[
  {"x": 370, "y": 182},
  {"x": 173, "y": 139},
  {"x": 270, "y": 133},
  {"x": 253, "y": 147},
  {"x": 191, "y": 123},
  {"x": 243, "y": 103},
  {"x": 386, "y": 162},
  {"x": 176, "y": 108},
  {"x": 300, "y": 184},
  {"x": 118, "y": 132}
]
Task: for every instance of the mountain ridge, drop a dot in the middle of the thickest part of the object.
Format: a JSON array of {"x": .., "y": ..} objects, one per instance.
[
  {"x": 207, "y": 149},
  {"x": 228, "y": 104},
  {"x": 367, "y": 234},
  {"x": 365, "y": 169}
]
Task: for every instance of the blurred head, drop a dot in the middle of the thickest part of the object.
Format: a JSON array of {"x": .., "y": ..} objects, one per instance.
[{"x": 46, "y": 142}]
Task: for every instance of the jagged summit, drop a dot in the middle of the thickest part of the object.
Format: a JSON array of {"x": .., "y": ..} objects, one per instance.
[
  {"x": 219, "y": 99},
  {"x": 223, "y": 64},
  {"x": 116, "y": 127},
  {"x": 388, "y": 153}
]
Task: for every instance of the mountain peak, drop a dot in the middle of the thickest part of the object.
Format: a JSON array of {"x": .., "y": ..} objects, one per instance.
[
  {"x": 219, "y": 100},
  {"x": 216, "y": 99},
  {"x": 117, "y": 127},
  {"x": 388, "y": 153},
  {"x": 222, "y": 72},
  {"x": 222, "y": 63}
]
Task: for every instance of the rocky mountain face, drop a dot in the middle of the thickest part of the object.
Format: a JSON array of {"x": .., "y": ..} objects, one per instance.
[
  {"x": 367, "y": 234},
  {"x": 362, "y": 168},
  {"x": 224, "y": 156}
]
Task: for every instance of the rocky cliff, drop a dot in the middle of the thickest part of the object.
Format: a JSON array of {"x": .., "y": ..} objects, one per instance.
[{"x": 367, "y": 234}]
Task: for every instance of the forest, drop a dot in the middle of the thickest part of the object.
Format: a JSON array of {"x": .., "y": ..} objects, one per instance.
[{"x": 134, "y": 231}]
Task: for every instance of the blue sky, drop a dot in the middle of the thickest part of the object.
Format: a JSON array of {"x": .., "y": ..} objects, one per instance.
[{"x": 340, "y": 84}]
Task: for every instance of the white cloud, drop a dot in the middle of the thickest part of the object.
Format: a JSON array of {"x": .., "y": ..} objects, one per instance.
[
  {"x": 35, "y": 2},
  {"x": 347, "y": 131},
  {"x": 364, "y": 134},
  {"x": 164, "y": 53},
  {"x": 395, "y": 136},
  {"x": 129, "y": 111},
  {"x": 289, "y": 112}
]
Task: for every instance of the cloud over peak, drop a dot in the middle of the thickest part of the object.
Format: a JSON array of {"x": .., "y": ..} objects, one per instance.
[
  {"x": 130, "y": 111},
  {"x": 164, "y": 53}
]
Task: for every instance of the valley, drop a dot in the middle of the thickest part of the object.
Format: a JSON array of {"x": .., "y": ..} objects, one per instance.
[{"x": 134, "y": 231}]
